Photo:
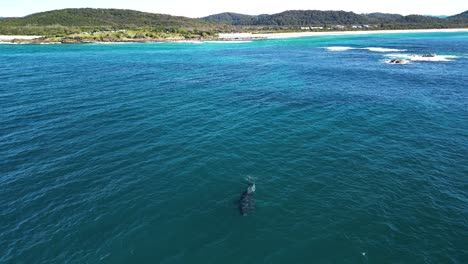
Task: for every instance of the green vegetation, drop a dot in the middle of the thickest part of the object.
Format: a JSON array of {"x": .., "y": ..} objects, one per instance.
[
  {"x": 333, "y": 18},
  {"x": 232, "y": 19},
  {"x": 89, "y": 17},
  {"x": 290, "y": 18},
  {"x": 460, "y": 18},
  {"x": 95, "y": 24},
  {"x": 89, "y": 25}
]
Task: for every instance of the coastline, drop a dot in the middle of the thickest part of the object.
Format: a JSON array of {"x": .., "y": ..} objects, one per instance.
[
  {"x": 17, "y": 39},
  {"x": 227, "y": 36},
  {"x": 10, "y": 38}
]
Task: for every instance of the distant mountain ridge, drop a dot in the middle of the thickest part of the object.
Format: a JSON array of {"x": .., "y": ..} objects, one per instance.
[
  {"x": 463, "y": 15},
  {"x": 77, "y": 20},
  {"x": 317, "y": 17},
  {"x": 123, "y": 17}
]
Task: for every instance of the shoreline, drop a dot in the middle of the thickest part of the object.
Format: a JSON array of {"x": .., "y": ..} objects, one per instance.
[
  {"x": 227, "y": 36},
  {"x": 10, "y": 38},
  {"x": 18, "y": 39}
]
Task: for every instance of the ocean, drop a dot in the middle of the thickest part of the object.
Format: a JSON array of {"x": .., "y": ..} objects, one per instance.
[{"x": 139, "y": 153}]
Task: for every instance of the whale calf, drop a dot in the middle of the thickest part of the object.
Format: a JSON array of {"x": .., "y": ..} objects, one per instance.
[{"x": 246, "y": 200}]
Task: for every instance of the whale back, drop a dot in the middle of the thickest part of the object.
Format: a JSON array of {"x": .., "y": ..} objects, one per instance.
[{"x": 246, "y": 200}]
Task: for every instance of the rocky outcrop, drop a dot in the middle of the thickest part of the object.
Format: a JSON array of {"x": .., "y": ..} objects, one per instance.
[{"x": 397, "y": 61}]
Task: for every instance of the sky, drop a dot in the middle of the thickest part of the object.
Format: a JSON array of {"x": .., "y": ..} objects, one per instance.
[{"x": 199, "y": 8}]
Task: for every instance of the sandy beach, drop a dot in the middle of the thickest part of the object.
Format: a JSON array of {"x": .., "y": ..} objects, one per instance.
[
  {"x": 253, "y": 36},
  {"x": 330, "y": 33},
  {"x": 12, "y": 37}
]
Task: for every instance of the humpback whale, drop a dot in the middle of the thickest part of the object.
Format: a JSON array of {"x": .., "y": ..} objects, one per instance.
[{"x": 246, "y": 199}]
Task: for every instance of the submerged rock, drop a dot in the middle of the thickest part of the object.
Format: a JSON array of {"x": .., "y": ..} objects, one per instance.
[
  {"x": 70, "y": 41},
  {"x": 398, "y": 61}
]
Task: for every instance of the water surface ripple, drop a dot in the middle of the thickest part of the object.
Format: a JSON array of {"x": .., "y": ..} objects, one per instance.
[{"x": 137, "y": 153}]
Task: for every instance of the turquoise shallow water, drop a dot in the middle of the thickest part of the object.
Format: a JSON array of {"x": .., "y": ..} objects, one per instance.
[{"x": 137, "y": 153}]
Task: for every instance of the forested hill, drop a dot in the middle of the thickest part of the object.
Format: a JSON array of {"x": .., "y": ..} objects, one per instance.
[
  {"x": 232, "y": 19},
  {"x": 66, "y": 22},
  {"x": 319, "y": 18},
  {"x": 90, "y": 17},
  {"x": 289, "y": 18},
  {"x": 462, "y": 16}
]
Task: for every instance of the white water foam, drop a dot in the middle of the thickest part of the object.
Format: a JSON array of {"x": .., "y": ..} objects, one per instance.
[
  {"x": 228, "y": 41},
  {"x": 374, "y": 49},
  {"x": 415, "y": 57},
  {"x": 111, "y": 43},
  {"x": 379, "y": 49},
  {"x": 189, "y": 42},
  {"x": 436, "y": 58},
  {"x": 14, "y": 43},
  {"x": 339, "y": 48}
]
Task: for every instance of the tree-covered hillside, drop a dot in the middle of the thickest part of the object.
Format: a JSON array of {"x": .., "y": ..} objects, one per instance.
[
  {"x": 303, "y": 18},
  {"x": 383, "y": 16},
  {"x": 460, "y": 17},
  {"x": 89, "y": 17},
  {"x": 289, "y": 18},
  {"x": 70, "y": 21},
  {"x": 88, "y": 24},
  {"x": 321, "y": 18},
  {"x": 232, "y": 19}
]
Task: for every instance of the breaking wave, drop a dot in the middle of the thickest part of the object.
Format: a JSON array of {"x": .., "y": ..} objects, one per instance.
[
  {"x": 379, "y": 49},
  {"x": 228, "y": 41},
  {"x": 339, "y": 48},
  {"x": 417, "y": 57},
  {"x": 374, "y": 49}
]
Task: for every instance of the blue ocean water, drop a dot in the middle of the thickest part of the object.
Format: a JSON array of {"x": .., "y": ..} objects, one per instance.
[{"x": 138, "y": 153}]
